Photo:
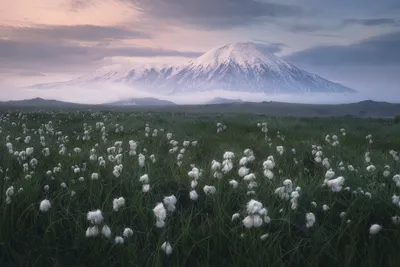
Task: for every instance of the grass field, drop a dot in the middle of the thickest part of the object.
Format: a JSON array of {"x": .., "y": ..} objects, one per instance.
[{"x": 250, "y": 194}]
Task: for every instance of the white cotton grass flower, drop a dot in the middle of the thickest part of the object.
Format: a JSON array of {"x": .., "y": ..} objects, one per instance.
[
  {"x": 9, "y": 193},
  {"x": 194, "y": 173},
  {"x": 294, "y": 199},
  {"x": 396, "y": 200},
  {"x": 336, "y": 184},
  {"x": 329, "y": 174},
  {"x": 235, "y": 216},
  {"x": 255, "y": 210},
  {"x": 209, "y": 190},
  {"x": 325, "y": 163},
  {"x": 193, "y": 184},
  {"x": 145, "y": 188},
  {"x": 396, "y": 179},
  {"x": 264, "y": 236},
  {"x": 45, "y": 205},
  {"x": 243, "y": 161},
  {"x": 284, "y": 191},
  {"x": 29, "y": 151},
  {"x": 170, "y": 202},
  {"x": 118, "y": 203},
  {"x": 269, "y": 163},
  {"x": 127, "y": 232},
  {"x": 161, "y": 214},
  {"x": 92, "y": 231},
  {"x": 234, "y": 183},
  {"x": 252, "y": 221},
  {"x": 227, "y": 166},
  {"x": 229, "y": 155},
  {"x": 351, "y": 168},
  {"x": 94, "y": 176},
  {"x": 118, "y": 240},
  {"x": 310, "y": 220},
  {"x": 371, "y": 168},
  {"x": 268, "y": 174},
  {"x": 243, "y": 171},
  {"x": 396, "y": 219},
  {"x": 106, "y": 231},
  {"x": 144, "y": 179},
  {"x": 249, "y": 177},
  {"x": 254, "y": 206},
  {"x": 95, "y": 216},
  {"x": 375, "y": 229},
  {"x": 280, "y": 150},
  {"x": 141, "y": 160},
  {"x": 215, "y": 165},
  {"x": 217, "y": 175},
  {"x": 193, "y": 195},
  {"x": 117, "y": 170},
  {"x": 325, "y": 207},
  {"x": 167, "y": 248}
]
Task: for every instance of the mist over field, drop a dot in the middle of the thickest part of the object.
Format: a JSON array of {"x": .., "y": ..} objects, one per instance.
[{"x": 110, "y": 92}]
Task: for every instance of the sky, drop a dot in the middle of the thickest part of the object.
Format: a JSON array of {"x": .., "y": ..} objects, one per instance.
[{"x": 356, "y": 43}]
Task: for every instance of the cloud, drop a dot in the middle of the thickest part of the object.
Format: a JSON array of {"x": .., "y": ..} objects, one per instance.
[
  {"x": 301, "y": 28},
  {"x": 310, "y": 28},
  {"x": 31, "y": 73},
  {"x": 76, "y": 5},
  {"x": 272, "y": 48},
  {"x": 52, "y": 56},
  {"x": 379, "y": 50},
  {"x": 371, "y": 22},
  {"x": 91, "y": 33},
  {"x": 215, "y": 14}
]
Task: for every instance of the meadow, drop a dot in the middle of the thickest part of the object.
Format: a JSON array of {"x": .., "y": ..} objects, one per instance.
[{"x": 85, "y": 188}]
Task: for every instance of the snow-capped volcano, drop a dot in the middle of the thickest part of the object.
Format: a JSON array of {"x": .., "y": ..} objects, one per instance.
[
  {"x": 247, "y": 67},
  {"x": 242, "y": 67}
]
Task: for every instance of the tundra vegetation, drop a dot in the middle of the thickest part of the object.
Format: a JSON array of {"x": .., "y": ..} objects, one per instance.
[{"x": 85, "y": 188}]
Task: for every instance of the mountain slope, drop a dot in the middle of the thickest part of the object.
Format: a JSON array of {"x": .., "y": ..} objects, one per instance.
[
  {"x": 241, "y": 67},
  {"x": 146, "y": 101}
]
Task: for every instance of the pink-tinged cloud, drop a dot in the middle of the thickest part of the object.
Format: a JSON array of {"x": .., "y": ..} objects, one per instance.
[{"x": 71, "y": 37}]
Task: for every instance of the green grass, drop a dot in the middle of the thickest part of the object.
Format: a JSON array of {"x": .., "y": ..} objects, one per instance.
[{"x": 201, "y": 232}]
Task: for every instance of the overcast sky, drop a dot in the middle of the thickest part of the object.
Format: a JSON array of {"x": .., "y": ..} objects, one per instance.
[{"x": 355, "y": 42}]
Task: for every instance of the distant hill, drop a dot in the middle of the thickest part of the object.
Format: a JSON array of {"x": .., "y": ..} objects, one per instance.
[
  {"x": 221, "y": 100},
  {"x": 146, "y": 101},
  {"x": 41, "y": 103}
]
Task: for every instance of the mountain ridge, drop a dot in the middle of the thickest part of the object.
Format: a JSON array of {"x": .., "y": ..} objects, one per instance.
[{"x": 363, "y": 109}]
